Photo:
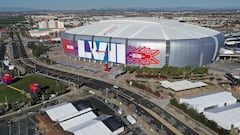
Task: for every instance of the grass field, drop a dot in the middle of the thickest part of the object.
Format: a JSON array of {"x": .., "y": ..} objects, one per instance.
[
  {"x": 23, "y": 84},
  {"x": 8, "y": 20}
]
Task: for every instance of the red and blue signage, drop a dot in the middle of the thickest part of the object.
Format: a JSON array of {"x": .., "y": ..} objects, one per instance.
[
  {"x": 7, "y": 79},
  {"x": 34, "y": 87},
  {"x": 69, "y": 47}
]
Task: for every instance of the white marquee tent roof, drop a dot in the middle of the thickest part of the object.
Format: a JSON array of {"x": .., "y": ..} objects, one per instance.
[
  {"x": 75, "y": 114},
  {"x": 84, "y": 122},
  {"x": 60, "y": 111},
  {"x": 92, "y": 127},
  {"x": 182, "y": 85},
  {"x": 77, "y": 120},
  {"x": 209, "y": 99},
  {"x": 225, "y": 116}
]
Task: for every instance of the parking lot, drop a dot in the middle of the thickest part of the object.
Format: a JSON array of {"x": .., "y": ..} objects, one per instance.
[{"x": 20, "y": 126}]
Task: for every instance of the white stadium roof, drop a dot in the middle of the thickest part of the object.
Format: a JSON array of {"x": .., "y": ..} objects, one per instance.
[
  {"x": 144, "y": 28},
  {"x": 226, "y": 117},
  {"x": 182, "y": 85},
  {"x": 208, "y": 100}
]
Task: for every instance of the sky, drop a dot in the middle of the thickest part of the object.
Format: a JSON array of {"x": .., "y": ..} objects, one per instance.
[{"x": 98, "y": 4}]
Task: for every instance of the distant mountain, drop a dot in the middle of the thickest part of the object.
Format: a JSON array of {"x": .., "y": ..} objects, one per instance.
[
  {"x": 142, "y": 9},
  {"x": 111, "y": 9},
  {"x": 171, "y": 9},
  {"x": 15, "y": 9}
]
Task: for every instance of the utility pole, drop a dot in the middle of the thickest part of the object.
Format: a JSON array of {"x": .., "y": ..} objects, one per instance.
[
  {"x": 6, "y": 100},
  {"x": 106, "y": 95}
]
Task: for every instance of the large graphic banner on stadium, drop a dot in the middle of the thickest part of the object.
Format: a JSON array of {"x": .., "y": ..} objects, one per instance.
[
  {"x": 142, "y": 56},
  {"x": 146, "y": 53},
  {"x": 102, "y": 51},
  {"x": 69, "y": 47}
]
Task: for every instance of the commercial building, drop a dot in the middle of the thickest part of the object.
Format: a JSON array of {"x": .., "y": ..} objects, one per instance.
[
  {"x": 140, "y": 41},
  {"x": 45, "y": 32},
  {"x": 51, "y": 24},
  {"x": 48, "y": 28},
  {"x": 210, "y": 100},
  {"x": 2, "y": 31}
]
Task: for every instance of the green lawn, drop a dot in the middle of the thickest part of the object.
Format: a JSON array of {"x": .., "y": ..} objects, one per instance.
[
  {"x": 9, "y": 93},
  {"x": 23, "y": 84}
]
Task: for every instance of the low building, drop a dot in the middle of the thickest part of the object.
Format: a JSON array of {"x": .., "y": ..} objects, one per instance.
[
  {"x": 52, "y": 24},
  {"x": 2, "y": 32},
  {"x": 39, "y": 33},
  {"x": 45, "y": 32},
  {"x": 210, "y": 100}
]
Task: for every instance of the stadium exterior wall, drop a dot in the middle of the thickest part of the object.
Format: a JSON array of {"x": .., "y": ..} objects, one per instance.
[{"x": 145, "y": 53}]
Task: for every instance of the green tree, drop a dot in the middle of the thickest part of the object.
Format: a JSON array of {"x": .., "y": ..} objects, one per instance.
[
  {"x": 211, "y": 124},
  {"x": 174, "y": 102}
]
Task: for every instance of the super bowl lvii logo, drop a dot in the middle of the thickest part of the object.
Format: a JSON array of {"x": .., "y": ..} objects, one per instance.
[{"x": 142, "y": 56}]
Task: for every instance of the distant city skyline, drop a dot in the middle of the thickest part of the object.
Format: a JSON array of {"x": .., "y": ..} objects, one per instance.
[{"x": 99, "y": 4}]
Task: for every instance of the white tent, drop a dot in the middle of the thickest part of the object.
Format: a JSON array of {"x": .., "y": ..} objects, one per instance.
[
  {"x": 84, "y": 122},
  {"x": 226, "y": 117},
  {"x": 77, "y": 120},
  {"x": 182, "y": 85},
  {"x": 75, "y": 114},
  {"x": 60, "y": 111},
  {"x": 96, "y": 126},
  {"x": 209, "y": 100},
  {"x": 92, "y": 127}
]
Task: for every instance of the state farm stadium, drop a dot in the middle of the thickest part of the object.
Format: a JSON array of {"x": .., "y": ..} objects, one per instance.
[{"x": 144, "y": 42}]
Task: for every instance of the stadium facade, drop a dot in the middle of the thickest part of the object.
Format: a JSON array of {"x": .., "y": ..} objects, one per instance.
[{"x": 145, "y": 42}]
